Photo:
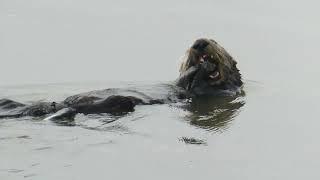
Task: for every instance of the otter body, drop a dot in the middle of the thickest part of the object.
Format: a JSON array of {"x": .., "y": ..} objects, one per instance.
[
  {"x": 86, "y": 103},
  {"x": 208, "y": 69},
  {"x": 113, "y": 101}
]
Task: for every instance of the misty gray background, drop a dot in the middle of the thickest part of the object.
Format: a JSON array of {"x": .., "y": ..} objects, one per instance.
[
  {"x": 88, "y": 44},
  {"x": 48, "y": 41}
]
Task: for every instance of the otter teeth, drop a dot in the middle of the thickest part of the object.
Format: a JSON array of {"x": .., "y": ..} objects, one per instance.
[{"x": 213, "y": 76}]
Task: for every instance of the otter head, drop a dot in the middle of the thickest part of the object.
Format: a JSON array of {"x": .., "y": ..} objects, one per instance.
[{"x": 209, "y": 68}]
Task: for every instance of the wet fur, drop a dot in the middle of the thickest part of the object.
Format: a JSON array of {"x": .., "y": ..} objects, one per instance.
[{"x": 227, "y": 66}]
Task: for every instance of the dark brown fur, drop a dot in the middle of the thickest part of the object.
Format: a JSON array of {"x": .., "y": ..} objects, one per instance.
[{"x": 211, "y": 51}]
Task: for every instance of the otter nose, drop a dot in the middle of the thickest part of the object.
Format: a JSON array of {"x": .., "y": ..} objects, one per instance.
[{"x": 200, "y": 45}]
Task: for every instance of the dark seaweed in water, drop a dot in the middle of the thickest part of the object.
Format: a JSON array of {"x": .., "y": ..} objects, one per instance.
[{"x": 191, "y": 140}]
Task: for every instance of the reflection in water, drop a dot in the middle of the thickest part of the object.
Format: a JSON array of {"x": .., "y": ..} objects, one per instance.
[
  {"x": 64, "y": 122},
  {"x": 214, "y": 113},
  {"x": 210, "y": 113},
  {"x": 97, "y": 122},
  {"x": 103, "y": 119}
]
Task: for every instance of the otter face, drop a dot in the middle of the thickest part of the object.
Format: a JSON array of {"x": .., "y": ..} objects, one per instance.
[{"x": 215, "y": 68}]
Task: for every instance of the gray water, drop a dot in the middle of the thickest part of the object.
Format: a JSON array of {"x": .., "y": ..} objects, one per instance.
[{"x": 53, "y": 49}]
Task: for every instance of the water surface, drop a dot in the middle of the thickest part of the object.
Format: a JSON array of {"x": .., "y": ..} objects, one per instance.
[
  {"x": 270, "y": 133},
  {"x": 256, "y": 136}
]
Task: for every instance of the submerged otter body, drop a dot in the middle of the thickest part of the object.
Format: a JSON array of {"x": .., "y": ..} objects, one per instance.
[
  {"x": 87, "y": 105},
  {"x": 208, "y": 69},
  {"x": 113, "y": 101}
]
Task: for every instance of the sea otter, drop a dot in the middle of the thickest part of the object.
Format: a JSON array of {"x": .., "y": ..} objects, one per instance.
[{"x": 208, "y": 69}]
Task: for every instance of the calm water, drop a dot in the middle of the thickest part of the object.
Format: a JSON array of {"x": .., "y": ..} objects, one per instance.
[
  {"x": 270, "y": 133},
  {"x": 267, "y": 134}
]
